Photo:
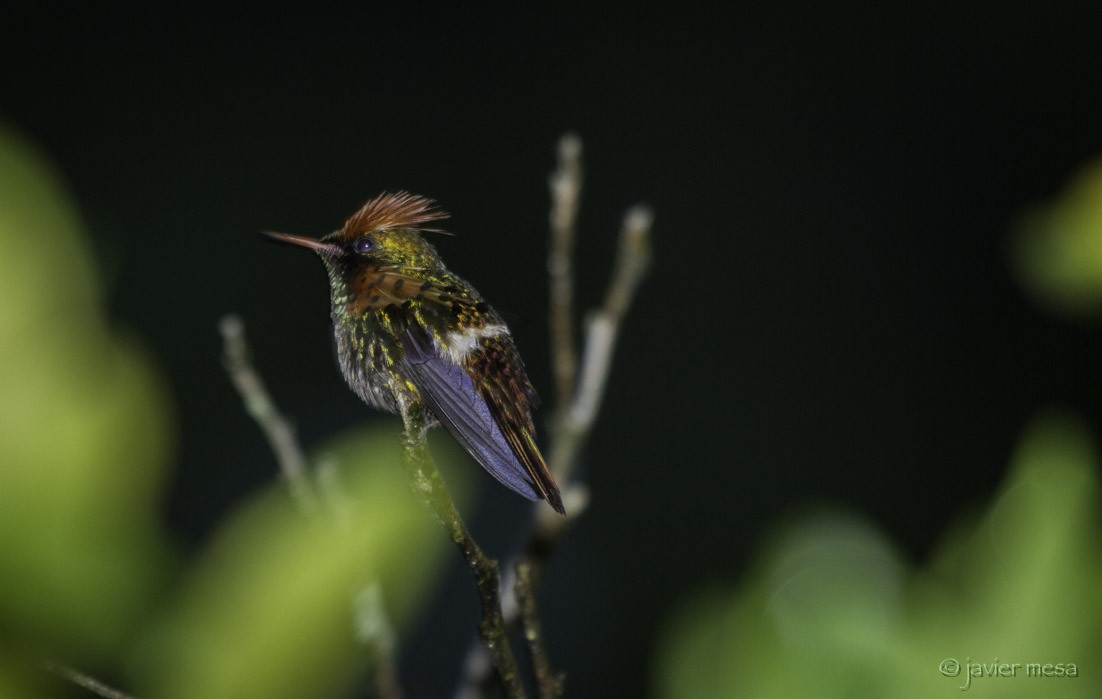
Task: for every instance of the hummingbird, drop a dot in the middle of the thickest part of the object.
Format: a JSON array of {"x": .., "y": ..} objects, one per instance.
[{"x": 412, "y": 335}]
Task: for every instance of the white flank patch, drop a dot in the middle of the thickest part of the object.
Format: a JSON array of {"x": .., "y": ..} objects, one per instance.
[{"x": 461, "y": 342}]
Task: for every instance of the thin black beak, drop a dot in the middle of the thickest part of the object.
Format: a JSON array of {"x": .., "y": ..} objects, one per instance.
[{"x": 325, "y": 249}]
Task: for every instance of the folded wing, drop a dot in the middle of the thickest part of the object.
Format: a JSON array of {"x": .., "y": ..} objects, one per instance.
[{"x": 480, "y": 417}]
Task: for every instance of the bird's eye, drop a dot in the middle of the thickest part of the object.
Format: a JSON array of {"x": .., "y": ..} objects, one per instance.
[{"x": 363, "y": 245}]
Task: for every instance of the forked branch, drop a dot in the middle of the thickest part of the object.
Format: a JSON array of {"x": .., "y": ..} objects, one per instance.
[{"x": 578, "y": 395}]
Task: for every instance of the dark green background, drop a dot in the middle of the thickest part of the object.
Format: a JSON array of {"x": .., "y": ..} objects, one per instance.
[{"x": 831, "y": 315}]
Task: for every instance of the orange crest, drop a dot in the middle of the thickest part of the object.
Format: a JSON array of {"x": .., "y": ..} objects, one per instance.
[{"x": 394, "y": 210}]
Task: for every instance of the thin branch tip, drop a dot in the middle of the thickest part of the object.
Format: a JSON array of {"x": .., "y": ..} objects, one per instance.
[
  {"x": 638, "y": 220},
  {"x": 86, "y": 681},
  {"x": 565, "y": 185},
  {"x": 570, "y": 146},
  {"x": 277, "y": 429},
  {"x": 231, "y": 326},
  {"x": 372, "y": 625}
]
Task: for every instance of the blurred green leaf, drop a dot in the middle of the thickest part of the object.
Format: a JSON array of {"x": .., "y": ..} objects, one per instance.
[
  {"x": 268, "y": 611},
  {"x": 831, "y": 611},
  {"x": 1058, "y": 247},
  {"x": 272, "y": 608},
  {"x": 84, "y": 434},
  {"x": 20, "y": 678}
]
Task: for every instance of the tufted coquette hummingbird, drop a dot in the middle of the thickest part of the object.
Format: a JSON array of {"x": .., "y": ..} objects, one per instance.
[{"x": 412, "y": 335}]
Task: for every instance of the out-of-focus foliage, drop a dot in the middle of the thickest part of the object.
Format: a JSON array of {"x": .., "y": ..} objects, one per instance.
[
  {"x": 1058, "y": 251},
  {"x": 270, "y": 607},
  {"x": 84, "y": 435},
  {"x": 269, "y": 611},
  {"x": 833, "y": 612}
]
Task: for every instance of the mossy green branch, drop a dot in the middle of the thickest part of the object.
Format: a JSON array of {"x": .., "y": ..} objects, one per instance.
[{"x": 429, "y": 486}]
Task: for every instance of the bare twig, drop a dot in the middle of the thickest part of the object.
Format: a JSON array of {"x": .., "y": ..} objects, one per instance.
[
  {"x": 550, "y": 686},
  {"x": 429, "y": 486},
  {"x": 603, "y": 329},
  {"x": 371, "y": 620},
  {"x": 277, "y": 428},
  {"x": 87, "y": 682},
  {"x": 566, "y": 186},
  {"x": 331, "y": 493},
  {"x": 632, "y": 260},
  {"x": 373, "y": 629},
  {"x": 575, "y": 416}
]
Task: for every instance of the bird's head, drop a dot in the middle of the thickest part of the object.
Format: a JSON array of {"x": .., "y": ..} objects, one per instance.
[{"x": 379, "y": 246}]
